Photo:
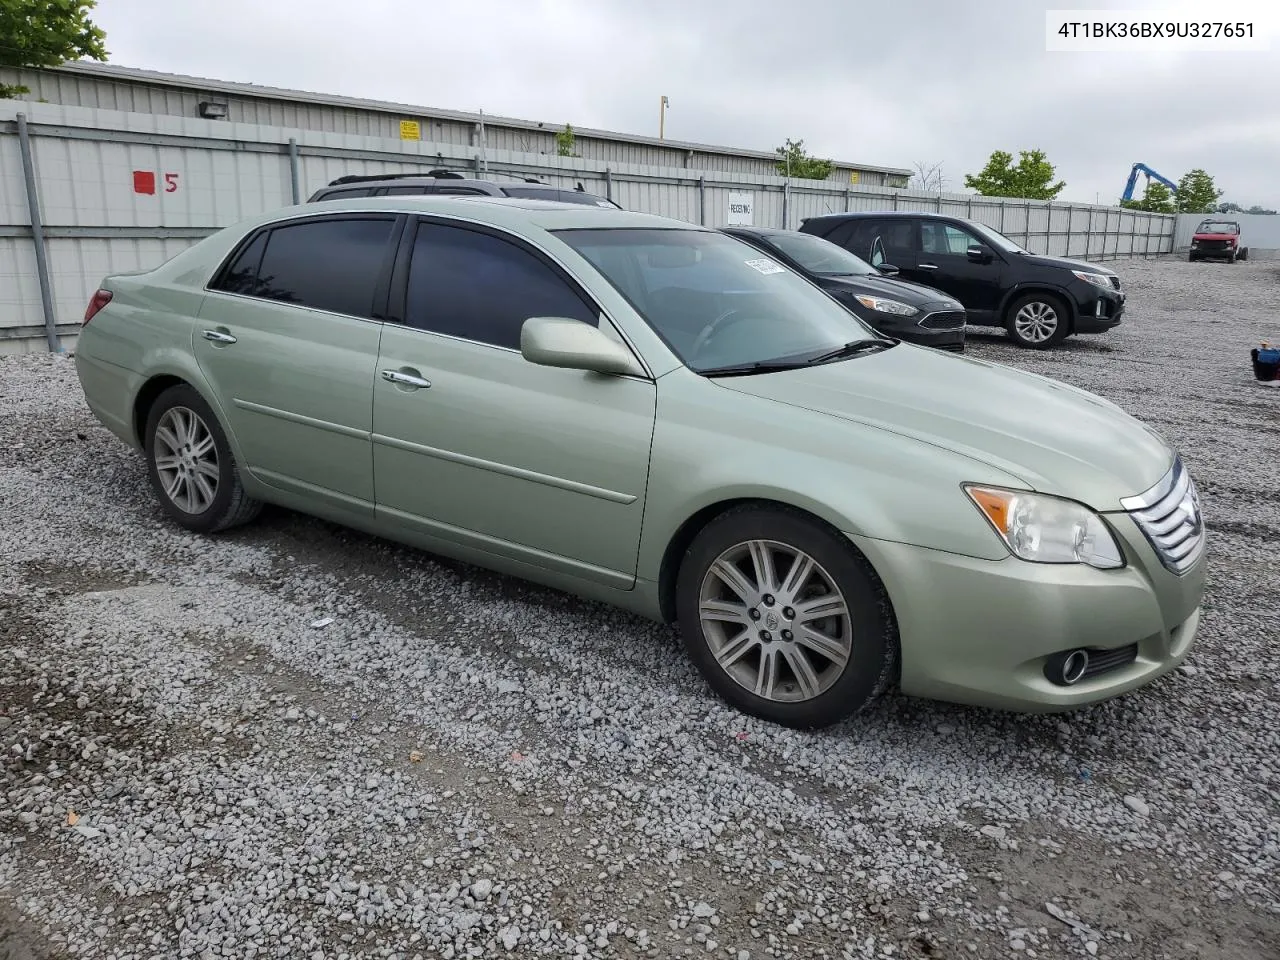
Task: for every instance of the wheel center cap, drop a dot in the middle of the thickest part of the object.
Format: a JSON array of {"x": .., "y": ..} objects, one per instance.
[{"x": 771, "y": 620}]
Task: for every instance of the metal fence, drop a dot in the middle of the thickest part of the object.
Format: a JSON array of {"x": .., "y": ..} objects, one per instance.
[{"x": 87, "y": 192}]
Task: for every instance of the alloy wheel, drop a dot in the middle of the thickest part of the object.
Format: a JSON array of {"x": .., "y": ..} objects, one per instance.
[
  {"x": 186, "y": 459},
  {"x": 775, "y": 621},
  {"x": 1036, "y": 322}
]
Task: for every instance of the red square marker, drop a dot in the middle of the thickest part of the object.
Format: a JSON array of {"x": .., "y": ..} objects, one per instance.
[{"x": 144, "y": 181}]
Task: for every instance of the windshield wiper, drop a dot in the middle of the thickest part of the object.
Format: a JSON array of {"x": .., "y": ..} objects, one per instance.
[
  {"x": 757, "y": 366},
  {"x": 854, "y": 347}
]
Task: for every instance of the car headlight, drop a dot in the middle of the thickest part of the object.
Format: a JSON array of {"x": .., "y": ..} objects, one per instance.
[
  {"x": 1044, "y": 529},
  {"x": 1097, "y": 279},
  {"x": 887, "y": 306}
]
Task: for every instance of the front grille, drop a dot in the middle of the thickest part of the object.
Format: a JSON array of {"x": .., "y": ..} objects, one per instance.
[
  {"x": 1213, "y": 244},
  {"x": 1169, "y": 515},
  {"x": 1104, "y": 661},
  {"x": 943, "y": 320}
]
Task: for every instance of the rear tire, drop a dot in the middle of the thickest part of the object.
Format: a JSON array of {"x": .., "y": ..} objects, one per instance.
[
  {"x": 190, "y": 465},
  {"x": 784, "y": 618},
  {"x": 1244, "y": 253},
  {"x": 1037, "y": 321}
]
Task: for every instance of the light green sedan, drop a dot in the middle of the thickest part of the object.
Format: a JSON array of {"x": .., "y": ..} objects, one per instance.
[{"x": 658, "y": 416}]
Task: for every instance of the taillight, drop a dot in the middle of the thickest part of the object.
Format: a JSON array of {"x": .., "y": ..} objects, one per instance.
[{"x": 99, "y": 300}]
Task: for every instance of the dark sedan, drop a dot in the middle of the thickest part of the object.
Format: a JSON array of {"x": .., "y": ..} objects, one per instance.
[{"x": 907, "y": 311}]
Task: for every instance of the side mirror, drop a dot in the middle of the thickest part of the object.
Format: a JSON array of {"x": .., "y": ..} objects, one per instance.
[
  {"x": 888, "y": 269},
  {"x": 574, "y": 345},
  {"x": 979, "y": 253}
]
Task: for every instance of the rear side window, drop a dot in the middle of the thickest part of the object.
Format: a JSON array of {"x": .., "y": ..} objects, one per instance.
[
  {"x": 242, "y": 275},
  {"x": 473, "y": 285},
  {"x": 326, "y": 264},
  {"x": 410, "y": 191}
]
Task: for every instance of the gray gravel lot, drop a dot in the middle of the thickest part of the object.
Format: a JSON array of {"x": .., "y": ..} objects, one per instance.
[{"x": 460, "y": 765}]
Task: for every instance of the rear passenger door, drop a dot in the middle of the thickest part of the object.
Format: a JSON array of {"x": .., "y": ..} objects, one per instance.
[
  {"x": 288, "y": 340},
  {"x": 478, "y": 446}
]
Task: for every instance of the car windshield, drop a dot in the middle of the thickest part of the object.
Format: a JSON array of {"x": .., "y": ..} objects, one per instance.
[
  {"x": 1217, "y": 226},
  {"x": 995, "y": 237},
  {"x": 718, "y": 302},
  {"x": 818, "y": 256}
]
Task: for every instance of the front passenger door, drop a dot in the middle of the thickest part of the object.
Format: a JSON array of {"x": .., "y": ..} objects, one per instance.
[
  {"x": 474, "y": 444},
  {"x": 944, "y": 254}
]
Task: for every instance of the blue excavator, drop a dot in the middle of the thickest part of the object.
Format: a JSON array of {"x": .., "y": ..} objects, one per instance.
[{"x": 1151, "y": 175}]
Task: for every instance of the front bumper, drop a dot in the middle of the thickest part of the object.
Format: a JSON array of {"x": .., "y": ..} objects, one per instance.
[
  {"x": 981, "y": 632},
  {"x": 1098, "y": 310},
  {"x": 1212, "y": 249},
  {"x": 936, "y": 325}
]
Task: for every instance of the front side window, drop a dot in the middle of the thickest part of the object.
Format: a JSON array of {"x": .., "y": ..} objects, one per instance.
[
  {"x": 477, "y": 286},
  {"x": 717, "y": 301},
  {"x": 330, "y": 265},
  {"x": 945, "y": 238}
]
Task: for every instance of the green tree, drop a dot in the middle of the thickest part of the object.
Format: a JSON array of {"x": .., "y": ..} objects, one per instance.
[
  {"x": 1197, "y": 193},
  {"x": 794, "y": 162},
  {"x": 564, "y": 142},
  {"x": 46, "y": 33},
  {"x": 1155, "y": 199},
  {"x": 1030, "y": 179}
]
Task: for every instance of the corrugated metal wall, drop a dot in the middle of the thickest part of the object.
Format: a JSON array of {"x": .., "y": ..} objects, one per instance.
[
  {"x": 125, "y": 191},
  {"x": 75, "y": 85}
]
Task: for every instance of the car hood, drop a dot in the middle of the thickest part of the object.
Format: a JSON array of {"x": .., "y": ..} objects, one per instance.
[
  {"x": 1056, "y": 438},
  {"x": 1067, "y": 264},
  {"x": 914, "y": 294},
  {"x": 1214, "y": 236}
]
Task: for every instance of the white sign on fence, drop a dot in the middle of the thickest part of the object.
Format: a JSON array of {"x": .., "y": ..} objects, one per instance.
[{"x": 740, "y": 209}]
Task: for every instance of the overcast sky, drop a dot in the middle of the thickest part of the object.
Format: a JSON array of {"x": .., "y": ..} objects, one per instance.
[{"x": 870, "y": 81}]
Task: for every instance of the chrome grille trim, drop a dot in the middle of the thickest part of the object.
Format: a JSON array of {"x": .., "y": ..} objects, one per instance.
[{"x": 1169, "y": 516}]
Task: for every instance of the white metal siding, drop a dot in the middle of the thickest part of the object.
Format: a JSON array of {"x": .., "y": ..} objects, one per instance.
[{"x": 225, "y": 172}]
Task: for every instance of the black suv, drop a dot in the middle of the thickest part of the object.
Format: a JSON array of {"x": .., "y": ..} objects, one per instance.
[
  {"x": 907, "y": 311},
  {"x": 1038, "y": 300},
  {"x": 451, "y": 183}
]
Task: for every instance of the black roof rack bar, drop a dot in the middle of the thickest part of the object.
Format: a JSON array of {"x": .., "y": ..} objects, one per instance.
[{"x": 364, "y": 178}]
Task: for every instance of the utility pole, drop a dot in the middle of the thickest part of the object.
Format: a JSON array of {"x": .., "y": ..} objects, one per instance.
[{"x": 662, "y": 117}]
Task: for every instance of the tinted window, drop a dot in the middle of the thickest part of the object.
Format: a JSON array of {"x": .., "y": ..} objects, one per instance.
[
  {"x": 329, "y": 264},
  {"x": 467, "y": 191},
  {"x": 347, "y": 194},
  {"x": 474, "y": 285},
  {"x": 416, "y": 190},
  {"x": 881, "y": 241},
  {"x": 242, "y": 275},
  {"x": 819, "y": 256}
]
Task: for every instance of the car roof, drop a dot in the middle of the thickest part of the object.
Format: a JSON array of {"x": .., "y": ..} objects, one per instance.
[
  {"x": 884, "y": 214},
  {"x": 497, "y": 211},
  {"x": 447, "y": 181}
]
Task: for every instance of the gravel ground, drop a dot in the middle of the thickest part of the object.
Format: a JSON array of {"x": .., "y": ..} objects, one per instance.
[{"x": 459, "y": 765}]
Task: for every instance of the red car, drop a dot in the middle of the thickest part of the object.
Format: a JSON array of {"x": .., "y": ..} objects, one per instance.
[{"x": 1218, "y": 240}]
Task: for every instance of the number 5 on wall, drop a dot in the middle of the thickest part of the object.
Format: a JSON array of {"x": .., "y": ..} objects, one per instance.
[{"x": 170, "y": 182}]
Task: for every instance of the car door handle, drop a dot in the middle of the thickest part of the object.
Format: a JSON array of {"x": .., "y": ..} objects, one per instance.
[
  {"x": 218, "y": 337},
  {"x": 405, "y": 379},
  {"x": 928, "y": 266}
]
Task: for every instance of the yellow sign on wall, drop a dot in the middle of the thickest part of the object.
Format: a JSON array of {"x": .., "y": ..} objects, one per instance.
[
  {"x": 853, "y": 176},
  {"x": 409, "y": 130}
]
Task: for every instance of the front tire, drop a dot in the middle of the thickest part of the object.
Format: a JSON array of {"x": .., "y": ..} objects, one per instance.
[
  {"x": 190, "y": 464},
  {"x": 784, "y": 619},
  {"x": 1037, "y": 321}
]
